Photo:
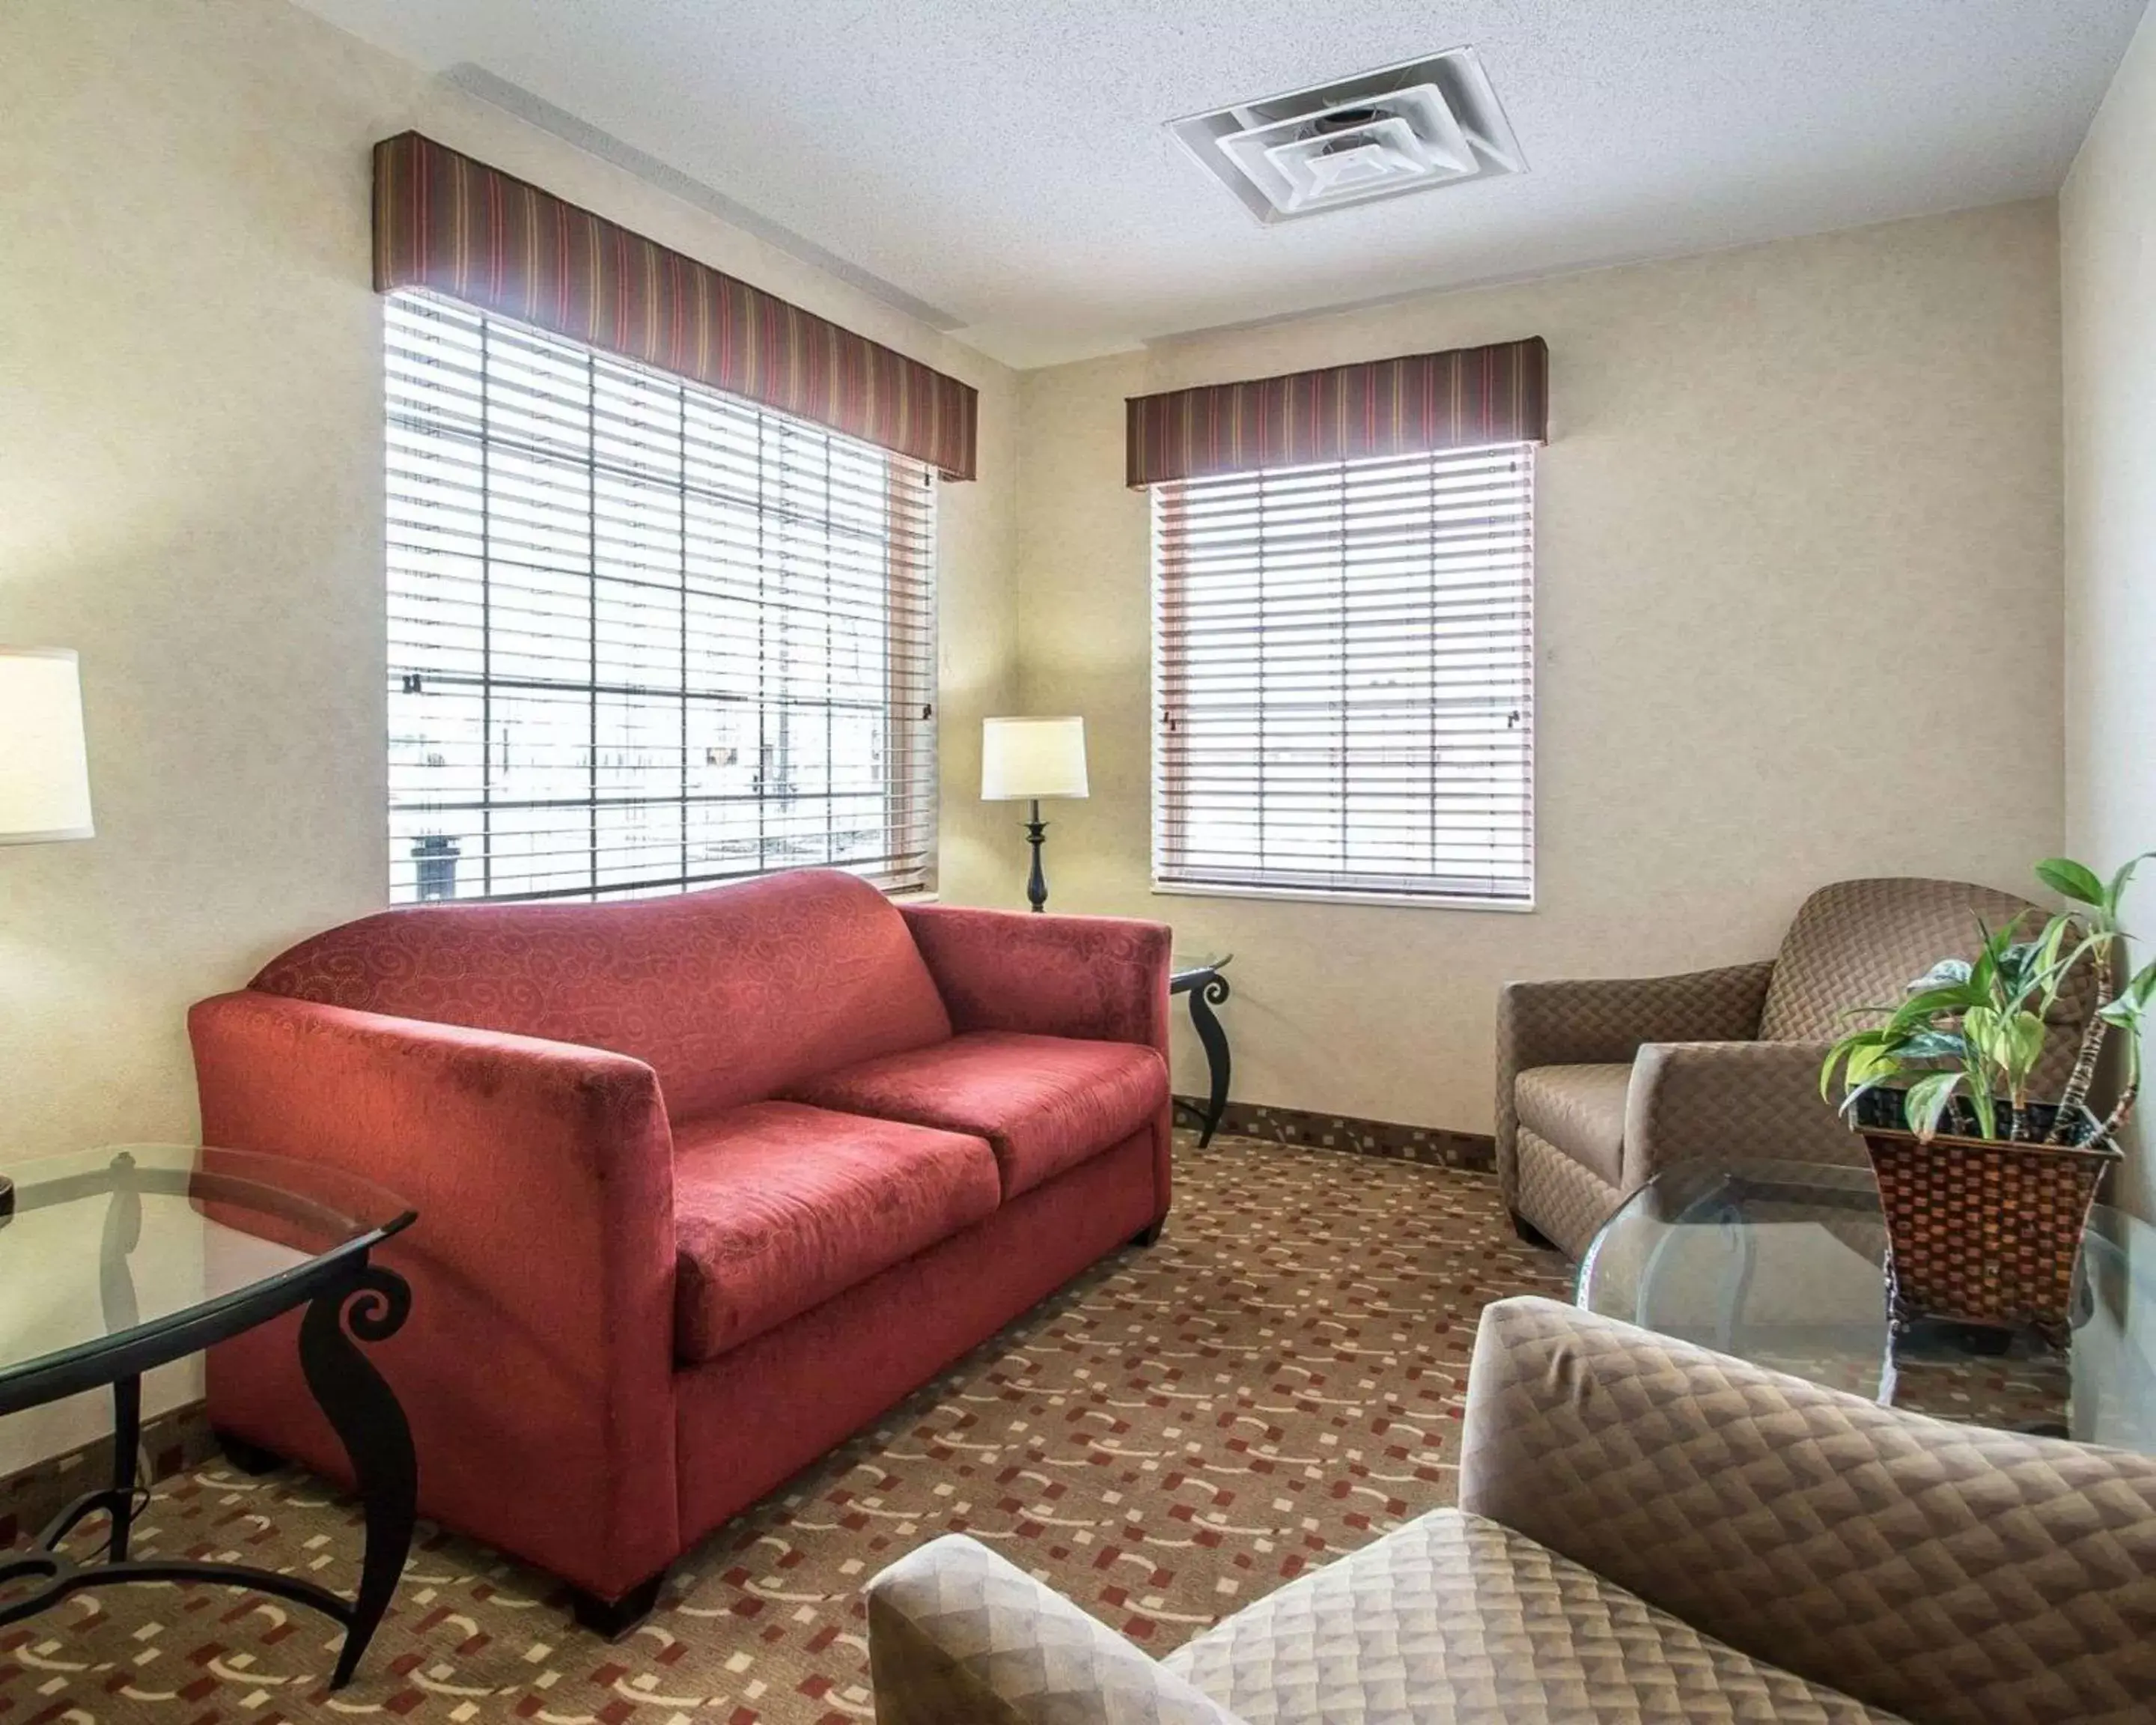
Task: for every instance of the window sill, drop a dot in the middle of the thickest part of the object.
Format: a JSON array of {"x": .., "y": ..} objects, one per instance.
[{"x": 1313, "y": 895}]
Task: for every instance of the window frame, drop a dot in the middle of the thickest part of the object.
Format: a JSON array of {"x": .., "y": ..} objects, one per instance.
[
  {"x": 907, "y": 789},
  {"x": 1169, "y": 878}
]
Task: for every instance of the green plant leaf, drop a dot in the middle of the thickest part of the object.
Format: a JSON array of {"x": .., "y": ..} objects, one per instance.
[
  {"x": 1920, "y": 1008},
  {"x": 1947, "y": 973},
  {"x": 1932, "y": 1045},
  {"x": 2072, "y": 880},
  {"x": 1926, "y": 1100},
  {"x": 2022, "y": 1036},
  {"x": 1866, "y": 1067},
  {"x": 2121, "y": 881}
]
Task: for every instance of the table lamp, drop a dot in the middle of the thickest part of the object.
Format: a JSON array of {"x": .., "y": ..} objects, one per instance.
[
  {"x": 44, "y": 768},
  {"x": 1024, "y": 760}
]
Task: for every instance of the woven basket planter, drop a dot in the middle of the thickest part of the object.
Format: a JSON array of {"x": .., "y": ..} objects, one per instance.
[{"x": 1984, "y": 1230}]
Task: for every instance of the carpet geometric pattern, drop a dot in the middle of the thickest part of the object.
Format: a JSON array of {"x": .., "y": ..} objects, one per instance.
[{"x": 1276, "y": 1382}]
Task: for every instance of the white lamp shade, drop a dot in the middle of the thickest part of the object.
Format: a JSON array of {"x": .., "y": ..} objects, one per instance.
[
  {"x": 44, "y": 769},
  {"x": 1032, "y": 757}
]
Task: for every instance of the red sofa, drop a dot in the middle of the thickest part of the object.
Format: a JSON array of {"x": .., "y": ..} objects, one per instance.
[{"x": 704, "y": 1183}]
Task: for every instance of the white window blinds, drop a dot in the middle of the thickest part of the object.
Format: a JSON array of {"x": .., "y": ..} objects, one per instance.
[
  {"x": 643, "y": 636},
  {"x": 1344, "y": 678}
]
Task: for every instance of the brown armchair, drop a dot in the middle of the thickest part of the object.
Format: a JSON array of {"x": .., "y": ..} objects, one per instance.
[
  {"x": 1646, "y": 1531},
  {"x": 1600, "y": 1084}
]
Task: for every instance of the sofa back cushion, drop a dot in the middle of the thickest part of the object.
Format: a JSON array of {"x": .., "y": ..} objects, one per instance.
[
  {"x": 1863, "y": 942},
  {"x": 731, "y": 993}
]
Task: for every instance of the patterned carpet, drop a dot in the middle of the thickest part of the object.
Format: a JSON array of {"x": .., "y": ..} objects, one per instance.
[{"x": 1277, "y": 1381}]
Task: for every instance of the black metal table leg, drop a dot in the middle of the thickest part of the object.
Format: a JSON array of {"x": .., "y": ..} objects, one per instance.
[
  {"x": 1210, "y": 994},
  {"x": 364, "y": 1412},
  {"x": 126, "y": 1440}
]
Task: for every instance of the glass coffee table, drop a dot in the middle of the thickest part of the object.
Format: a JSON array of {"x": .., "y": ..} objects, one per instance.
[
  {"x": 114, "y": 1261},
  {"x": 1783, "y": 1264}
]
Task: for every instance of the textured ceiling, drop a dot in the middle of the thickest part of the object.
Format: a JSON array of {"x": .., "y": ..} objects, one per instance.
[{"x": 1004, "y": 162}]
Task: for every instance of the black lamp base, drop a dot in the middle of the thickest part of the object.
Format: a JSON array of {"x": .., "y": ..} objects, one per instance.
[{"x": 1036, "y": 883}]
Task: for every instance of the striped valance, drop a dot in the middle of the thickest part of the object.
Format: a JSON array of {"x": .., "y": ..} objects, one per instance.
[
  {"x": 1422, "y": 401},
  {"x": 445, "y": 222}
]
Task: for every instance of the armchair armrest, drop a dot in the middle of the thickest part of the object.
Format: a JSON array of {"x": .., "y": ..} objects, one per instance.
[
  {"x": 541, "y": 1263},
  {"x": 1605, "y": 1020},
  {"x": 1727, "y": 1101},
  {"x": 1101, "y": 977},
  {"x": 959, "y": 1636},
  {"x": 1943, "y": 1572}
]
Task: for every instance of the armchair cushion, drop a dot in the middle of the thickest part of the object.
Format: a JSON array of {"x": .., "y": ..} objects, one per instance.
[
  {"x": 778, "y": 1207},
  {"x": 1579, "y": 1109},
  {"x": 1860, "y": 941},
  {"x": 1044, "y": 1103},
  {"x": 1455, "y": 1620},
  {"x": 1954, "y": 1574}
]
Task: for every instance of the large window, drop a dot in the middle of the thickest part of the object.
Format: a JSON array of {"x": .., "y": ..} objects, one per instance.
[
  {"x": 642, "y": 635},
  {"x": 1343, "y": 679}
]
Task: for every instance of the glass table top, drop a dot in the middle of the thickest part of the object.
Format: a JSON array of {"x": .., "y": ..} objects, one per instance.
[
  {"x": 1783, "y": 1264},
  {"x": 102, "y": 1248}
]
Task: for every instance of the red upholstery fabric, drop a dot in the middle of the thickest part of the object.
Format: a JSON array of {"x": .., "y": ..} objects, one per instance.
[
  {"x": 776, "y": 1207},
  {"x": 753, "y": 1417},
  {"x": 1100, "y": 977},
  {"x": 1046, "y": 1103},
  {"x": 1096, "y": 976},
  {"x": 728, "y": 995},
  {"x": 536, "y": 1365}
]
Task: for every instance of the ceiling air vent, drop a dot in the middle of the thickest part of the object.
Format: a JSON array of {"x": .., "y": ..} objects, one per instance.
[{"x": 1404, "y": 128}]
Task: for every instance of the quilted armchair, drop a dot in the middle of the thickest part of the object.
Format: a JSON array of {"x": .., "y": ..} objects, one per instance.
[
  {"x": 1601, "y": 1085},
  {"x": 1646, "y": 1531}
]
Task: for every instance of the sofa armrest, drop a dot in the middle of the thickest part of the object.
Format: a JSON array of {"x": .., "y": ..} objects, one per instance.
[
  {"x": 1605, "y": 1020},
  {"x": 1101, "y": 977},
  {"x": 1730, "y": 1102},
  {"x": 541, "y": 1340},
  {"x": 959, "y": 1636},
  {"x": 1943, "y": 1572}
]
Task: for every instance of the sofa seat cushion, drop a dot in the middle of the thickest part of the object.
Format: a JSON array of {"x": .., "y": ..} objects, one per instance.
[
  {"x": 1046, "y": 1103},
  {"x": 1580, "y": 1110},
  {"x": 1453, "y": 1619},
  {"x": 778, "y": 1207}
]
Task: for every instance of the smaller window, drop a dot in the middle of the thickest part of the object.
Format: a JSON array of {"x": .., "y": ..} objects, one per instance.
[{"x": 1343, "y": 679}]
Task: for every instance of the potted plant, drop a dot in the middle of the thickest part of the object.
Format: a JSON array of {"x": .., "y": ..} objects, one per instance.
[{"x": 1986, "y": 1186}]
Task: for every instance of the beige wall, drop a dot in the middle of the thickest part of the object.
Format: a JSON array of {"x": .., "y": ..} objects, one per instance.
[
  {"x": 1799, "y": 501},
  {"x": 2107, "y": 234},
  {"x": 191, "y": 495}
]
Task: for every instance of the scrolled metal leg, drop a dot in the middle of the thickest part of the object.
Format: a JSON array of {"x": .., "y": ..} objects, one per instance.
[
  {"x": 1215, "y": 1041},
  {"x": 370, "y": 1423}
]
